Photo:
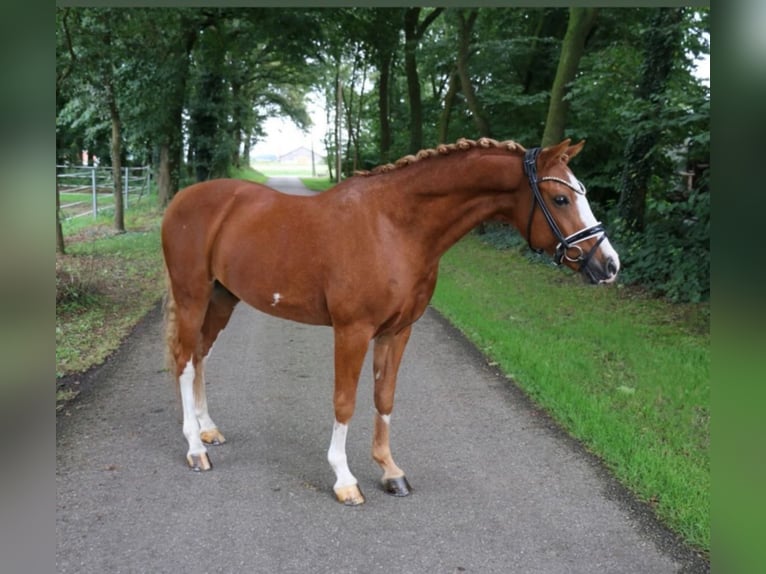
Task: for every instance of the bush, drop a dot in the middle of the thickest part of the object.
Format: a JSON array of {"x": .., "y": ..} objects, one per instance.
[
  {"x": 671, "y": 257},
  {"x": 72, "y": 290}
]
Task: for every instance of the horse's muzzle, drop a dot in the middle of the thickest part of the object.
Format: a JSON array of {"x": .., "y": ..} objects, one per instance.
[{"x": 598, "y": 271}]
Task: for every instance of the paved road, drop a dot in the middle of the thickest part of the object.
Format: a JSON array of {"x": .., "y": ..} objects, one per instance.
[{"x": 497, "y": 488}]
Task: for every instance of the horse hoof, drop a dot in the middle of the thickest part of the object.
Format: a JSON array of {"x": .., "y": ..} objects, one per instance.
[
  {"x": 199, "y": 462},
  {"x": 397, "y": 486},
  {"x": 349, "y": 495},
  {"x": 212, "y": 436}
]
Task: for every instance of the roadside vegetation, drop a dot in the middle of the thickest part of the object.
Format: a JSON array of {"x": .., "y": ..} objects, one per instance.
[
  {"x": 105, "y": 283},
  {"x": 626, "y": 374}
]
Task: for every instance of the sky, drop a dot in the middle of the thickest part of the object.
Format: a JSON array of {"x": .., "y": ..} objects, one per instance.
[{"x": 283, "y": 136}]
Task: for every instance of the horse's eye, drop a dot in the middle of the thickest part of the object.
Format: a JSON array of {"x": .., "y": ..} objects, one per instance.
[{"x": 561, "y": 200}]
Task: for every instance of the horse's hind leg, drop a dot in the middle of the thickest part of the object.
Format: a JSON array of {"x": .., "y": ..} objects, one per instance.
[
  {"x": 219, "y": 310},
  {"x": 386, "y": 360},
  {"x": 183, "y": 319},
  {"x": 195, "y": 312}
]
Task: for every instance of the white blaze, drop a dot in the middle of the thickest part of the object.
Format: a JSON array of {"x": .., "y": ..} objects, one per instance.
[{"x": 589, "y": 220}]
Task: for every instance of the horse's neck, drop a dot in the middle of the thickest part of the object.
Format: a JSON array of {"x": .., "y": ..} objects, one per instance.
[{"x": 441, "y": 201}]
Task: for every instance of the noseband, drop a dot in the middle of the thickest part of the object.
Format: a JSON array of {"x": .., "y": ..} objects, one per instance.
[{"x": 565, "y": 243}]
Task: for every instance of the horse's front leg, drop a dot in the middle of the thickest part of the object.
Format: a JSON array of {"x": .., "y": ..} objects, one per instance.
[
  {"x": 351, "y": 345},
  {"x": 387, "y": 358}
]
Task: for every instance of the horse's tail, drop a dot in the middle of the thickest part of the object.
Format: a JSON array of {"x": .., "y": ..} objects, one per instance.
[{"x": 170, "y": 315}]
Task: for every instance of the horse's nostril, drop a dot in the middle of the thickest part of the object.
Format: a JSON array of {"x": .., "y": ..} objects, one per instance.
[{"x": 611, "y": 267}]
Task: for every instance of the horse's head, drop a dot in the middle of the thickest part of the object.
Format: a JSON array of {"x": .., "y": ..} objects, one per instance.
[{"x": 560, "y": 221}]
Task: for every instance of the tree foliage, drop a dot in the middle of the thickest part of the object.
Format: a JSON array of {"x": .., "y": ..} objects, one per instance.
[{"x": 193, "y": 86}]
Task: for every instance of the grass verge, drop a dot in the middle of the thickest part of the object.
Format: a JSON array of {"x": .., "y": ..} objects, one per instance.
[
  {"x": 626, "y": 375},
  {"x": 248, "y": 173},
  {"x": 317, "y": 183},
  {"x": 105, "y": 283}
]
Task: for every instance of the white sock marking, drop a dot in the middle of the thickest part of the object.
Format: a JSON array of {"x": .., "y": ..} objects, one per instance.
[
  {"x": 205, "y": 422},
  {"x": 336, "y": 456},
  {"x": 191, "y": 424}
]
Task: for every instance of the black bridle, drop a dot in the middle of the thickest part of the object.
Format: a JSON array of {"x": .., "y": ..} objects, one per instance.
[{"x": 565, "y": 243}]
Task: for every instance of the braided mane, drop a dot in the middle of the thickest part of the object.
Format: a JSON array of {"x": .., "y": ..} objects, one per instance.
[{"x": 443, "y": 149}]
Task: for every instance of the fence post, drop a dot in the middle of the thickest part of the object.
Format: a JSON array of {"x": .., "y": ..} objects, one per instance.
[
  {"x": 93, "y": 189},
  {"x": 125, "y": 193}
]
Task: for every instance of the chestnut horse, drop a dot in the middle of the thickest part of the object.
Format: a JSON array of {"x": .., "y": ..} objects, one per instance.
[{"x": 361, "y": 257}]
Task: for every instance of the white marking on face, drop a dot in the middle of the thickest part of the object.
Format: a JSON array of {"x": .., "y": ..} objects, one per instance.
[
  {"x": 377, "y": 374},
  {"x": 275, "y": 299},
  {"x": 584, "y": 210},
  {"x": 588, "y": 220},
  {"x": 336, "y": 456}
]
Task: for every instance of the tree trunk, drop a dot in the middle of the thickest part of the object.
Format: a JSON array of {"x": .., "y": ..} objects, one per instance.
[
  {"x": 236, "y": 126},
  {"x": 413, "y": 80},
  {"x": 163, "y": 176},
  {"x": 384, "y": 108},
  {"x": 663, "y": 42},
  {"x": 338, "y": 115},
  {"x": 572, "y": 48},
  {"x": 449, "y": 100},
  {"x": 413, "y": 32},
  {"x": 173, "y": 134},
  {"x": 358, "y": 128},
  {"x": 116, "y": 152},
  {"x": 349, "y": 102},
  {"x": 464, "y": 44}
]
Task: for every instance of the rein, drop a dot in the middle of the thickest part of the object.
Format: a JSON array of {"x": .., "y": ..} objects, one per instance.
[{"x": 565, "y": 243}]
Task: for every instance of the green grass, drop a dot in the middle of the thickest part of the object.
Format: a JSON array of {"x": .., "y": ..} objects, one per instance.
[
  {"x": 248, "y": 173},
  {"x": 72, "y": 197},
  {"x": 626, "y": 375},
  {"x": 105, "y": 283},
  {"x": 317, "y": 183}
]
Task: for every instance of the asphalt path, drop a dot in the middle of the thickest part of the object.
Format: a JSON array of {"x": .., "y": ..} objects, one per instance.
[{"x": 497, "y": 487}]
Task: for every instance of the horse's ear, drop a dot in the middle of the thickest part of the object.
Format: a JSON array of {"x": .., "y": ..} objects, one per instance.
[
  {"x": 554, "y": 152},
  {"x": 561, "y": 152}
]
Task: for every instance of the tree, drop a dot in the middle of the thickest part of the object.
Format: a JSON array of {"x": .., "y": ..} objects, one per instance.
[
  {"x": 105, "y": 30},
  {"x": 579, "y": 27},
  {"x": 247, "y": 65},
  {"x": 64, "y": 61},
  {"x": 414, "y": 30},
  {"x": 465, "y": 28},
  {"x": 383, "y": 41},
  {"x": 96, "y": 57},
  {"x": 662, "y": 44}
]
